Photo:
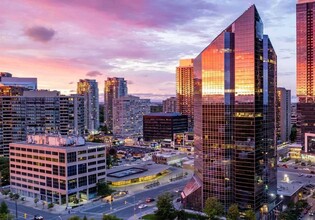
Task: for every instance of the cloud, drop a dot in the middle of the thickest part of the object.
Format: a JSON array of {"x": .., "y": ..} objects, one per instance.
[
  {"x": 40, "y": 33},
  {"x": 94, "y": 74}
]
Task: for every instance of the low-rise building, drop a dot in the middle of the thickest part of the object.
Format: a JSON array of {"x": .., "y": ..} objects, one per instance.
[
  {"x": 168, "y": 158},
  {"x": 57, "y": 169},
  {"x": 161, "y": 126}
]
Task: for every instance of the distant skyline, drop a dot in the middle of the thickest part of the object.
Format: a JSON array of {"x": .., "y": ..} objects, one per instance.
[{"x": 60, "y": 42}]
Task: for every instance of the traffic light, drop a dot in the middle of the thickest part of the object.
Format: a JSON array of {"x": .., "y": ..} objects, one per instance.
[{"x": 25, "y": 215}]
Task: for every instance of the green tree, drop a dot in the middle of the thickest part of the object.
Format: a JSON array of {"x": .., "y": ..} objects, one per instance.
[
  {"x": 85, "y": 218},
  {"x": 233, "y": 212},
  {"x": 103, "y": 189},
  {"x": 213, "y": 208},
  {"x": 50, "y": 205},
  {"x": 36, "y": 200},
  {"x": 293, "y": 133},
  {"x": 4, "y": 208},
  {"x": 250, "y": 215},
  {"x": 110, "y": 217},
  {"x": 74, "y": 218},
  {"x": 165, "y": 206}
]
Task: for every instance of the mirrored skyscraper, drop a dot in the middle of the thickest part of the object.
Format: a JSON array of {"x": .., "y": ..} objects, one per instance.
[
  {"x": 305, "y": 87},
  {"x": 234, "y": 114},
  {"x": 185, "y": 89}
]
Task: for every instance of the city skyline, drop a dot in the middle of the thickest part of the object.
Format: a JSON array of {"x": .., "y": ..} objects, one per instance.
[{"x": 51, "y": 39}]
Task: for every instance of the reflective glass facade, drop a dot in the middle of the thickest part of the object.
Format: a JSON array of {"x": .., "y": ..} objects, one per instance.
[
  {"x": 185, "y": 90},
  {"x": 305, "y": 14},
  {"x": 235, "y": 89}
]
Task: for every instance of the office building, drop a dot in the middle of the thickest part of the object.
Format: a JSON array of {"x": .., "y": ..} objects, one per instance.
[
  {"x": 169, "y": 105},
  {"x": 185, "y": 90},
  {"x": 89, "y": 89},
  {"x": 128, "y": 114},
  {"x": 293, "y": 114},
  {"x": 161, "y": 126},
  {"x": 234, "y": 107},
  {"x": 156, "y": 107},
  {"x": 38, "y": 112},
  {"x": 8, "y": 80},
  {"x": 283, "y": 114},
  {"x": 114, "y": 88},
  {"x": 305, "y": 87},
  {"x": 56, "y": 169}
]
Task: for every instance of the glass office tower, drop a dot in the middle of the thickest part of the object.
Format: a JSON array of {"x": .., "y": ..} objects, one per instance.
[
  {"x": 305, "y": 87},
  {"x": 235, "y": 138}
]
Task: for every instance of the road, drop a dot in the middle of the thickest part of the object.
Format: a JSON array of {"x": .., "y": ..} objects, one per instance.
[
  {"x": 29, "y": 211},
  {"x": 128, "y": 206},
  {"x": 123, "y": 208}
]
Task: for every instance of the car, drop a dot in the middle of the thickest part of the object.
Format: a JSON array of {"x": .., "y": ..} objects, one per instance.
[
  {"x": 309, "y": 176},
  {"x": 311, "y": 214},
  {"x": 312, "y": 172},
  {"x": 142, "y": 206},
  {"x": 38, "y": 217},
  {"x": 148, "y": 200},
  {"x": 295, "y": 167},
  {"x": 300, "y": 174}
]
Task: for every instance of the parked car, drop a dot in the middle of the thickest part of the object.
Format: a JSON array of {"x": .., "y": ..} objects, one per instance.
[{"x": 38, "y": 217}]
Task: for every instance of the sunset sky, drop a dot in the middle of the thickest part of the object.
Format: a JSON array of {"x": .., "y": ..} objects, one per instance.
[{"x": 62, "y": 41}]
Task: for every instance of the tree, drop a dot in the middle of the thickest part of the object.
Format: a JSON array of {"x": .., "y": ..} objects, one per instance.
[
  {"x": 85, "y": 218},
  {"x": 50, "y": 205},
  {"x": 36, "y": 200},
  {"x": 165, "y": 206},
  {"x": 4, "y": 208},
  {"x": 103, "y": 189},
  {"x": 309, "y": 162},
  {"x": 213, "y": 208},
  {"x": 250, "y": 215},
  {"x": 293, "y": 133},
  {"x": 74, "y": 218},
  {"x": 233, "y": 212},
  {"x": 110, "y": 217}
]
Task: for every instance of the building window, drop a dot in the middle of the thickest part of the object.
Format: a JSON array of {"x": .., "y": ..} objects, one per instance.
[
  {"x": 48, "y": 181},
  {"x": 72, "y": 157},
  {"x": 72, "y": 170},
  {"x": 82, "y": 168},
  {"x": 72, "y": 184},
  {"x": 62, "y": 184},
  {"x": 61, "y": 157},
  {"x": 92, "y": 179},
  {"x": 62, "y": 171},
  {"x": 55, "y": 170},
  {"x": 92, "y": 169},
  {"x": 55, "y": 183},
  {"x": 82, "y": 181}
]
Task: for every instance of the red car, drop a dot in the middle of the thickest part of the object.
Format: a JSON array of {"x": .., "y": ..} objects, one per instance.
[{"x": 148, "y": 200}]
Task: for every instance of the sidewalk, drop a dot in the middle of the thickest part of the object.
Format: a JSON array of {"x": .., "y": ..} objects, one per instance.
[{"x": 29, "y": 202}]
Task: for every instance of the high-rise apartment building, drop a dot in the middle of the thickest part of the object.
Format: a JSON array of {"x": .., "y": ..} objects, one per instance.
[
  {"x": 38, "y": 112},
  {"x": 283, "y": 114},
  {"x": 89, "y": 89},
  {"x": 114, "y": 88},
  {"x": 235, "y": 138},
  {"x": 8, "y": 80},
  {"x": 185, "y": 90},
  {"x": 305, "y": 47},
  {"x": 56, "y": 169},
  {"x": 169, "y": 105},
  {"x": 128, "y": 114}
]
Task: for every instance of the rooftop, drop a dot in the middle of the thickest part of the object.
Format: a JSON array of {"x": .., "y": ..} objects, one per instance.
[
  {"x": 288, "y": 189},
  {"x": 164, "y": 114}
]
